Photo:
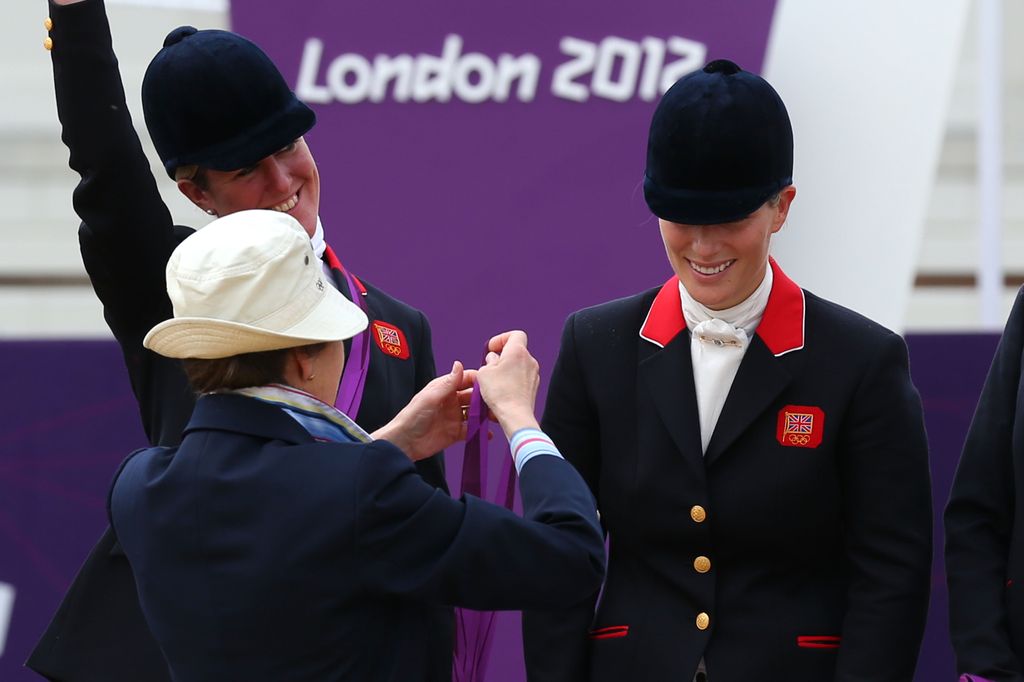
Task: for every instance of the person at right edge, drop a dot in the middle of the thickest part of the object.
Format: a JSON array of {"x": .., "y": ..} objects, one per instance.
[
  {"x": 758, "y": 454},
  {"x": 984, "y": 523},
  {"x": 230, "y": 132}
]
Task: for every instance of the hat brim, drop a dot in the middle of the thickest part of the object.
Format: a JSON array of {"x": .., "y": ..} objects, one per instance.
[
  {"x": 707, "y": 207},
  {"x": 334, "y": 318},
  {"x": 252, "y": 144}
]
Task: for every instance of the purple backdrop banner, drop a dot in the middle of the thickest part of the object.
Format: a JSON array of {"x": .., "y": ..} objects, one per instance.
[
  {"x": 67, "y": 419},
  {"x": 482, "y": 160}
]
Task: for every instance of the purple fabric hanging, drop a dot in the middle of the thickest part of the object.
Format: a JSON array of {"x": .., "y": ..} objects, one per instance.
[
  {"x": 353, "y": 379},
  {"x": 474, "y": 630}
]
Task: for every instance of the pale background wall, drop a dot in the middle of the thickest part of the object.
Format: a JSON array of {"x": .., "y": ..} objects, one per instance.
[
  {"x": 43, "y": 292},
  {"x": 950, "y": 243},
  {"x": 43, "y": 288},
  {"x": 867, "y": 93}
]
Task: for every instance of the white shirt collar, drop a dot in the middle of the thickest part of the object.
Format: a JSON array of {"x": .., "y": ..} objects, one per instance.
[{"x": 317, "y": 240}]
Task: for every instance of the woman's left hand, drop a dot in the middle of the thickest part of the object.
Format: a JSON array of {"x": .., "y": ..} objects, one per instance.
[{"x": 434, "y": 418}]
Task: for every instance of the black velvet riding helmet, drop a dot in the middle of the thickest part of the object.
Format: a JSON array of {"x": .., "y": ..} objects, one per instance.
[
  {"x": 720, "y": 145},
  {"x": 214, "y": 99}
]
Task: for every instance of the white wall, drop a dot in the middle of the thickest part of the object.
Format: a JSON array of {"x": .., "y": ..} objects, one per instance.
[
  {"x": 867, "y": 85},
  {"x": 38, "y": 227}
]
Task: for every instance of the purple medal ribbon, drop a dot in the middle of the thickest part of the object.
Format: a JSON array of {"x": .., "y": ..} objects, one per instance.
[
  {"x": 353, "y": 379},
  {"x": 973, "y": 678},
  {"x": 474, "y": 630}
]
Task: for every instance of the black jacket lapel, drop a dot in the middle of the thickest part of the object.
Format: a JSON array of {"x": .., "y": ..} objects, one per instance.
[
  {"x": 760, "y": 379},
  {"x": 668, "y": 374}
]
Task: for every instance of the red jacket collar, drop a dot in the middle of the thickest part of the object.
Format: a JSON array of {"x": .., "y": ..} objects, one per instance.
[
  {"x": 781, "y": 328},
  {"x": 334, "y": 264}
]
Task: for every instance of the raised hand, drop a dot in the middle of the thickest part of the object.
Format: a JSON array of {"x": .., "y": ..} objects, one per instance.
[
  {"x": 434, "y": 418},
  {"x": 509, "y": 380}
]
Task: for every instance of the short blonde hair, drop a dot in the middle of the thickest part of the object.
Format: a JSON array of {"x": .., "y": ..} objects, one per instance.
[
  {"x": 193, "y": 173},
  {"x": 186, "y": 172}
]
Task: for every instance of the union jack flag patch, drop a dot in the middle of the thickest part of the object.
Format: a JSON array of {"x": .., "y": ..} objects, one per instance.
[
  {"x": 800, "y": 426},
  {"x": 390, "y": 339}
]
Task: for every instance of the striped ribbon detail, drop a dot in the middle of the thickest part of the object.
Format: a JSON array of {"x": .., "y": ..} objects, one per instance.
[{"x": 528, "y": 443}]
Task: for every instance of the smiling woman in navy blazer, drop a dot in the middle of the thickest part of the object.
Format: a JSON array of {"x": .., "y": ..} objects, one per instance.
[{"x": 758, "y": 453}]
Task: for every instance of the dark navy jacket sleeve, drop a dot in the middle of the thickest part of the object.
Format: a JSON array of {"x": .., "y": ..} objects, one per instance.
[
  {"x": 887, "y": 500},
  {"x": 982, "y": 523},
  {"x": 415, "y": 541}
]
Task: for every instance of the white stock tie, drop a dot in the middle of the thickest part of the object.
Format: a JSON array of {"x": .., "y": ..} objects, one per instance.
[{"x": 716, "y": 350}]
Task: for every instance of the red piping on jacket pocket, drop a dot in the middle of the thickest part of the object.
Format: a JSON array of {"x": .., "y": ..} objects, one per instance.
[
  {"x": 610, "y": 632},
  {"x": 817, "y": 641}
]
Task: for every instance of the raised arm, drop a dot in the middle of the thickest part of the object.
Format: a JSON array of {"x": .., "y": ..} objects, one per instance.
[{"x": 126, "y": 233}]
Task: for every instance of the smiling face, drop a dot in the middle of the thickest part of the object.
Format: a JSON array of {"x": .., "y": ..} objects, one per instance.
[
  {"x": 286, "y": 181},
  {"x": 721, "y": 265}
]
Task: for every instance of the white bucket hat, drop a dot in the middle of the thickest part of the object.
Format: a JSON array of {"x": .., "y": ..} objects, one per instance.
[{"x": 250, "y": 282}]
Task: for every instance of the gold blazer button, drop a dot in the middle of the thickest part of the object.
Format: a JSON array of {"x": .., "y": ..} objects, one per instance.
[
  {"x": 703, "y": 621},
  {"x": 702, "y": 564},
  {"x": 698, "y": 514}
]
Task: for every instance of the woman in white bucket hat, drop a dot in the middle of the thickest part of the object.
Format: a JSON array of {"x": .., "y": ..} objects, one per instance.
[{"x": 279, "y": 541}]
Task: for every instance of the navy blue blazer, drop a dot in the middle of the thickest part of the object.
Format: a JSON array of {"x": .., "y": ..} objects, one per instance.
[
  {"x": 261, "y": 554},
  {"x": 797, "y": 548},
  {"x": 126, "y": 237},
  {"x": 984, "y": 522}
]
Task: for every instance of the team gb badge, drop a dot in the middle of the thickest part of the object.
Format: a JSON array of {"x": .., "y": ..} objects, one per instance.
[
  {"x": 800, "y": 426},
  {"x": 390, "y": 339}
]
